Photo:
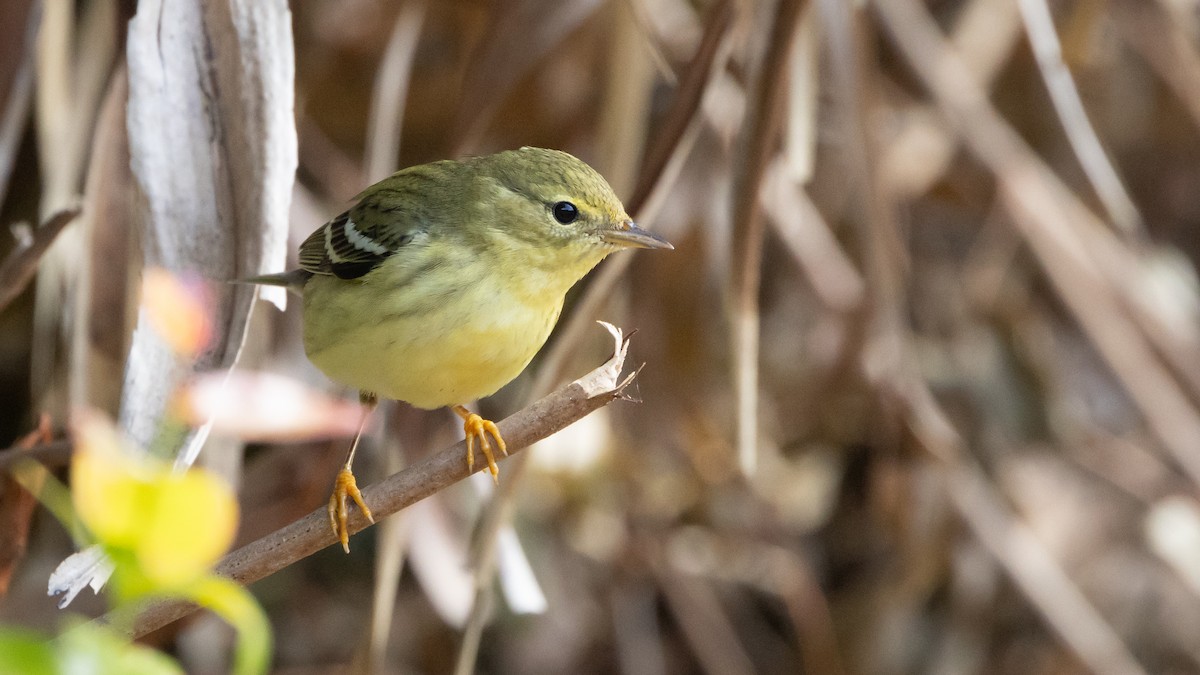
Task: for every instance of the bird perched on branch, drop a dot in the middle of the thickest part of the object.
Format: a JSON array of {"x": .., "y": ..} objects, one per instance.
[{"x": 443, "y": 280}]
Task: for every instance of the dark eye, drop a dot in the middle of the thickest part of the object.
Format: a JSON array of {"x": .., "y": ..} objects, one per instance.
[{"x": 565, "y": 212}]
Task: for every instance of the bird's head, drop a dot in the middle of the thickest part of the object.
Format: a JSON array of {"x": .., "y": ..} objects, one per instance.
[{"x": 560, "y": 208}]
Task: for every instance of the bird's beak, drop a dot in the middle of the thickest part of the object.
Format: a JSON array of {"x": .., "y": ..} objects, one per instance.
[{"x": 630, "y": 235}]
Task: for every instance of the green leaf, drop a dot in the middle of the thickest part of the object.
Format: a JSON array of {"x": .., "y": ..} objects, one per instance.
[
  {"x": 85, "y": 648},
  {"x": 23, "y": 651}
]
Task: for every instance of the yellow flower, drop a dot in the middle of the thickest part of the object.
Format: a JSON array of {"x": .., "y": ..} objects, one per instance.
[{"x": 170, "y": 527}]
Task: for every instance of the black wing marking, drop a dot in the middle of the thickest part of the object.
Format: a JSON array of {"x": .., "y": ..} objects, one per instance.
[
  {"x": 388, "y": 215},
  {"x": 344, "y": 249}
]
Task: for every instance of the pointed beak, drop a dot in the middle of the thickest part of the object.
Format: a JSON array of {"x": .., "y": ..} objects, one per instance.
[{"x": 629, "y": 235}]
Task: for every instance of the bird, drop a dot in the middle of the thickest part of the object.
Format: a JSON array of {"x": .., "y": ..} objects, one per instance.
[{"x": 442, "y": 281}]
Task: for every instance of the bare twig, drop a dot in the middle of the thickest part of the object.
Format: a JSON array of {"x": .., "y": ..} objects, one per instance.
[
  {"x": 52, "y": 454},
  {"x": 17, "y": 502},
  {"x": 661, "y": 167},
  {"x": 984, "y": 33},
  {"x": 662, "y": 164},
  {"x": 21, "y": 264},
  {"x": 1032, "y": 567},
  {"x": 1039, "y": 576},
  {"x": 1042, "y": 36},
  {"x": 311, "y": 533},
  {"x": 1066, "y": 237},
  {"x": 1164, "y": 42},
  {"x": 106, "y": 269},
  {"x": 523, "y": 32},
  {"x": 16, "y": 109},
  {"x": 391, "y": 89},
  {"x": 674, "y": 137},
  {"x": 486, "y": 540},
  {"x": 811, "y": 242},
  {"x": 760, "y": 129},
  {"x": 804, "y": 89},
  {"x": 707, "y": 627},
  {"x": 391, "y": 93},
  {"x": 629, "y": 85}
]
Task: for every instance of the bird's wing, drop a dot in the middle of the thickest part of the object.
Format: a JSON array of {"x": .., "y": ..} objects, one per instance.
[{"x": 357, "y": 241}]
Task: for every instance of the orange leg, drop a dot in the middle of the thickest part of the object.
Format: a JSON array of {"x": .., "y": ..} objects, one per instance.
[
  {"x": 477, "y": 428},
  {"x": 344, "y": 485}
]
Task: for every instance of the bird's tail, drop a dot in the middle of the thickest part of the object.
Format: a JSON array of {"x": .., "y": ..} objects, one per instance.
[{"x": 292, "y": 280}]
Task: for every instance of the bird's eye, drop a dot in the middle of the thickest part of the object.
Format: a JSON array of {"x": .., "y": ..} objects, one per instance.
[{"x": 565, "y": 212}]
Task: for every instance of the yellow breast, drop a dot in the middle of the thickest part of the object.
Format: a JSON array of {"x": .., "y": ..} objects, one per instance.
[{"x": 433, "y": 342}]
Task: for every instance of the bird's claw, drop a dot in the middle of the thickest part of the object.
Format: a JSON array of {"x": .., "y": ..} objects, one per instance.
[
  {"x": 345, "y": 486},
  {"x": 477, "y": 428}
]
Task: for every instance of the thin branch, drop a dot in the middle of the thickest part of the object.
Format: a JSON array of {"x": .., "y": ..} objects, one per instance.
[
  {"x": 388, "y": 101},
  {"x": 1011, "y": 541},
  {"x": 312, "y": 533},
  {"x": 761, "y": 126},
  {"x": 51, "y": 455},
  {"x": 661, "y": 166},
  {"x": 798, "y": 223},
  {"x": 985, "y": 34},
  {"x": 483, "y": 546},
  {"x": 1067, "y": 238},
  {"x": 21, "y": 264},
  {"x": 1039, "y": 576},
  {"x": 662, "y": 163},
  {"x": 391, "y": 92},
  {"x": 1165, "y": 43},
  {"x": 707, "y": 627},
  {"x": 1039, "y": 26},
  {"x": 709, "y": 59},
  {"x": 16, "y": 109}
]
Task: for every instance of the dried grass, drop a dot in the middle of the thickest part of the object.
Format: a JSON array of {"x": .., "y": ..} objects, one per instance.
[{"x": 958, "y": 429}]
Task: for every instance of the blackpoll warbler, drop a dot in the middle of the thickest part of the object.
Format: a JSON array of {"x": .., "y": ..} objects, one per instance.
[{"x": 441, "y": 283}]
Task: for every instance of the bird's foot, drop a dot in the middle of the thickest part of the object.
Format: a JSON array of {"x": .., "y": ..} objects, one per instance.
[
  {"x": 477, "y": 428},
  {"x": 344, "y": 486}
]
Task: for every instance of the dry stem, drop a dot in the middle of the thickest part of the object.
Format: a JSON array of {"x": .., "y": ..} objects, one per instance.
[{"x": 311, "y": 533}]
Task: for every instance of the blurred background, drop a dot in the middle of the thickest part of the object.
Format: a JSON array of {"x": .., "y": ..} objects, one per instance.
[{"x": 922, "y": 376}]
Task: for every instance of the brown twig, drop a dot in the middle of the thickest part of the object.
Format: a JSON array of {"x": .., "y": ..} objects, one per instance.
[
  {"x": 51, "y": 454},
  {"x": 1164, "y": 42},
  {"x": 709, "y": 58},
  {"x": 1014, "y": 545},
  {"x": 985, "y": 33},
  {"x": 390, "y": 93},
  {"x": 659, "y": 169},
  {"x": 1043, "y": 38},
  {"x": 669, "y": 150},
  {"x": 388, "y": 101},
  {"x": 17, "y": 502},
  {"x": 671, "y": 146},
  {"x": 707, "y": 627},
  {"x": 760, "y": 128},
  {"x": 804, "y": 232},
  {"x": 311, "y": 533},
  {"x": 1067, "y": 238},
  {"x": 523, "y": 32},
  {"x": 661, "y": 165},
  {"x": 15, "y": 115},
  {"x": 19, "y": 267}
]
